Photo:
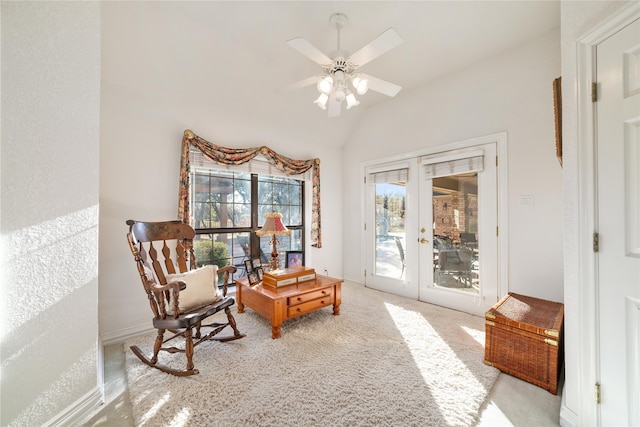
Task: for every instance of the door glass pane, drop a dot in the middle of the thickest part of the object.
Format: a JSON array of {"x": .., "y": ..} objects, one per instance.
[
  {"x": 390, "y": 202},
  {"x": 455, "y": 232}
]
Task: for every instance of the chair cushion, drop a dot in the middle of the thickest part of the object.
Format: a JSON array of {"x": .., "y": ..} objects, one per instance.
[{"x": 201, "y": 287}]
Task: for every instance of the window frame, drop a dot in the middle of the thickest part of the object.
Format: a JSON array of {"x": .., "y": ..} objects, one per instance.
[{"x": 254, "y": 239}]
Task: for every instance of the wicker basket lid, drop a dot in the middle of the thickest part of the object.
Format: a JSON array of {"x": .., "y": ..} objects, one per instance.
[{"x": 533, "y": 314}]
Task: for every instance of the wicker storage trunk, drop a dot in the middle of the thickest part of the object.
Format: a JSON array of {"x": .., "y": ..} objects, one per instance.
[{"x": 524, "y": 338}]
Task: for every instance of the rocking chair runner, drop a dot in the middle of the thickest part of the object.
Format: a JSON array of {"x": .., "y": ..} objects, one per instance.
[{"x": 169, "y": 313}]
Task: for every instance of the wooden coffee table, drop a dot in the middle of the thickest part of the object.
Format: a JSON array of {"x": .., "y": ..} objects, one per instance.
[{"x": 286, "y": 302}]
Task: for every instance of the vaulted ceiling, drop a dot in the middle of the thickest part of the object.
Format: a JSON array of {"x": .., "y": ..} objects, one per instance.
[{"x": 231, "y": 57}]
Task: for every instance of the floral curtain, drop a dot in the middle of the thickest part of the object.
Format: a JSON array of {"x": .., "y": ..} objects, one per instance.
[{"x": 237, "y": 156}]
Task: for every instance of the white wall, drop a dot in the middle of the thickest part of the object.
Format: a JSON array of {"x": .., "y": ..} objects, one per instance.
[
  {"x": 511, "y": 92},
  {"x": 49, "y": 217},
  {"x": 577, "y": 18},
  {"x": 156, "y": 83}
]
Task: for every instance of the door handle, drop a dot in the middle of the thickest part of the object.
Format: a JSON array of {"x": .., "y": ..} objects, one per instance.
[{"x": 423, "y": 240}]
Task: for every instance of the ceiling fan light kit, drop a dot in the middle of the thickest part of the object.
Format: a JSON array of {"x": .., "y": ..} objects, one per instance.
[
  {"x": 339, "y": 72},
  {"x": 351, "y": 100},
  {"x": 361, "y": 85},
  {"x": 322, "y": 101},
  {"x": 325, "y": 84}
]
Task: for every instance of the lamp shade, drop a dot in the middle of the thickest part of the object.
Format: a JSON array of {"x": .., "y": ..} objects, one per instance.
[
  {"x": 325, "y": 85},
  {"x": 322, "y": 101},
  {"x": 273, "y": 225},
  {"x": 360, "y": 85},
  {"x": 351, "y": 100}
]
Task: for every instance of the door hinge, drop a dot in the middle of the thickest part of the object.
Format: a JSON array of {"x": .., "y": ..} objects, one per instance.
[
  {"x": 365, "y": 273},
  {"x": 597, "y": 393},
  {"x": 594, "y": 92},
  {"x": 365, "y": 179},
  {"x": 497, "y": 229},
  {"x": 496, "y": 160},
  {"x": 365, "y": 226},
  {"x": 596, "y": 242}
]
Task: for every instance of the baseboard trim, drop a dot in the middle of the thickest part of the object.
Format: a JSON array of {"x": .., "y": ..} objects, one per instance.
[
  {"x": 356, "y": 281},
  {"x": 118, "y": 337},
  {"x": 568, "y": 418},
  {"x": 81, "y": 410}
]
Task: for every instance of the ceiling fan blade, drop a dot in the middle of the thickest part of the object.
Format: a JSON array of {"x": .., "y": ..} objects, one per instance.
[
  {"x": 298, "y": 85},
  {"x": 382, "y": 86},
  {"x": 381, "y": 44},
  {"x": 309, "y": 50},
  {"x": 334, "y": 107}
]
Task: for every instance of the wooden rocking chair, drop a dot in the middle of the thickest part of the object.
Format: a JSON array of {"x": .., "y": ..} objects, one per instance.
[{"x": 166, "y": 275}]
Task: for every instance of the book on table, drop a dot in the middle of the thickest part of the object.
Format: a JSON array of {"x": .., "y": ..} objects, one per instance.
[{"x": 288, "y": 276}]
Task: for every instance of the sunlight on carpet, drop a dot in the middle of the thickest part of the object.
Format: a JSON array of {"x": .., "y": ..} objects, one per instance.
[
  {"x": 148, "y": 415},
  {"x": 426, "y": 346},
  {"x": 385, "y": 360},
  {"x": 476, "y": 334}
]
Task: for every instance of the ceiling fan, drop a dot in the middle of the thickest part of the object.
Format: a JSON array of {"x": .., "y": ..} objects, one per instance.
[{"x": 340, "y": 78}]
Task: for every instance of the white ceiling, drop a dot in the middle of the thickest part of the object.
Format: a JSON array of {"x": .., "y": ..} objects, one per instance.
[{"x": 235, "y": 53}]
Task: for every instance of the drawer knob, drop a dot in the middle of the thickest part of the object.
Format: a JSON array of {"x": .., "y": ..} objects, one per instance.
[
  {"x": 299, "y": 299},
  {"x": 298, "y": 309}
]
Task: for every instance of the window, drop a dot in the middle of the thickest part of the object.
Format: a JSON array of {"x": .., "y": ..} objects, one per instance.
[{"x": 228, "y": 206}]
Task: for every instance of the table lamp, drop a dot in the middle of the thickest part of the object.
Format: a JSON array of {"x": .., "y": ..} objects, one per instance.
[{"x": 273, "y": 226}]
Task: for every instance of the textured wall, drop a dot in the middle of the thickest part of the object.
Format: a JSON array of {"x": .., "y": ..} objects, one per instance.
[{"x": 49, "y": 210}]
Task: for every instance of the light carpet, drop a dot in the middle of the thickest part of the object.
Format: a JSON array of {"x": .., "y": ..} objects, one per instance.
[{"x": 384, "y": 361}]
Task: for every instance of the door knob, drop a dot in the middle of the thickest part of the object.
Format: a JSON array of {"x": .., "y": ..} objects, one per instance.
[{"x": 423, "y": 240}]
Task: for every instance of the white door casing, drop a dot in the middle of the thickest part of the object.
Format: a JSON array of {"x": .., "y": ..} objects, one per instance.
[
  {"x": 618, "y": 226},
  {"x": 410, "y": 284}
]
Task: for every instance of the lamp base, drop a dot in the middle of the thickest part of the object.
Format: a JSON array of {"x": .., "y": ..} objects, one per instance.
[{"x": 274, "y": 264}]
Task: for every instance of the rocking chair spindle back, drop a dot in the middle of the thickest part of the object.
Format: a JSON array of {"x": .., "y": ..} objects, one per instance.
[{"x": 164, "y": 297}]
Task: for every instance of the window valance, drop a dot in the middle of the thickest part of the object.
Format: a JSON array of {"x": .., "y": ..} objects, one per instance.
[
  {"x": 389, "y": 176},
  {"x": 258, "y": 165},
  {"x": 455, "y": 164},
  {"x": 237, "y": 156}
]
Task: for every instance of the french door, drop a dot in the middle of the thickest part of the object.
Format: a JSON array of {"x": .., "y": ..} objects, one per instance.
[
  {"x": 431, "y": 228},
  {"x": 389, "y": 225},
  {"x": 458, "y": 242}
]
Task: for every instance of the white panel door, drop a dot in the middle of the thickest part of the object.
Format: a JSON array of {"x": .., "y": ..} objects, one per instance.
[
  {"x": 389, "y": 215},
  {"x": 458, "y": 223},
  {"x": 618, "y": 219}
]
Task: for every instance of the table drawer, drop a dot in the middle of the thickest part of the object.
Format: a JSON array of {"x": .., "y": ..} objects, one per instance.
[
  {"x": 309, "y": 296},
  {"x": 309, "y": 306}
]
